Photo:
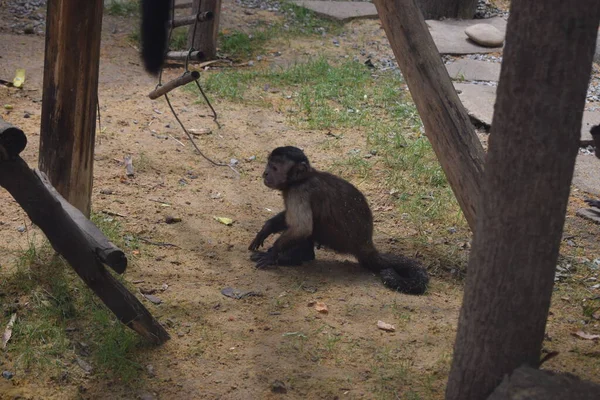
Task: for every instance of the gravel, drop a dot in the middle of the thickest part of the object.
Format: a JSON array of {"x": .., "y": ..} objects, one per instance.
[{"x": 29, "y": 16}]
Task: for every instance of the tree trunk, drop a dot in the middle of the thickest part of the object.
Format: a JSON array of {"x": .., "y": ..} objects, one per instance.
[
  {"x": 447, "y": 124},
  {"x": 520, "y": 216},
  {"x": 204, "y": 38},
  {"x": 69, "y": 101},
  {"x": 436, "y": 9}
]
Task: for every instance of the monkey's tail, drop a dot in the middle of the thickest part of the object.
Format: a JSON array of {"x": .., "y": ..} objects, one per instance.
[
  {"x": 155, "y": 19},
  {"x": 397, "y": 272}
]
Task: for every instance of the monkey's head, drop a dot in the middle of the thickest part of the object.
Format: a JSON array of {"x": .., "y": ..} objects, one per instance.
[{"x": 286, "y": 166}]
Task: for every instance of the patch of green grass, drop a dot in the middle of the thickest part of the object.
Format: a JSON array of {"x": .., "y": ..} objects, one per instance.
[
  {"x": 123, "y": 8},
  {"x": 239, "y": 45},
  {"x": 48, "y": 297},
  {"x": 300, "y": 20},
  {"x": 179, "y": 39}
]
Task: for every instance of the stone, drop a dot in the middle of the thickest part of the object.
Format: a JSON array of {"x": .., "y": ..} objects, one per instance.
[
  {"x": 473, "y": 70},
  {"x": 449, "y": 36},
  {"x": 341, "y": 10},
  {"x": 590, "y": 118},
  {"x": 591, "y": 214},
  {"x": 485, "y": 34},
  {"x": 587, "y": 174},
  {"x": 479, "y": 101},
  {"x": 597, "y": 54}
]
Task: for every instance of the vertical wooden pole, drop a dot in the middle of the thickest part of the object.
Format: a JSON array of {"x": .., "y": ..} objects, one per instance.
[
  {"x": 69, "y": 100},
  {"x": 205, "y": 39},
  {"x": 525, "y": 191}
]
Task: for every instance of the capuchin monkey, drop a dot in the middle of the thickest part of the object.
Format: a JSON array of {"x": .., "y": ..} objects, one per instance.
[
  {"x": 154, "y": 33},
  {"x": 324, "y": 209}
]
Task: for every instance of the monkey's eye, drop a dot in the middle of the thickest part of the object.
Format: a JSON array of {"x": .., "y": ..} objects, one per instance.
[{"x": 274, "y": 168}]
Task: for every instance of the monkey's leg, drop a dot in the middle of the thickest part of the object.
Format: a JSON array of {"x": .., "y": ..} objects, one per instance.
[
  {"x": 304, "y": 251},
  {"x": 273, "y": 225}
]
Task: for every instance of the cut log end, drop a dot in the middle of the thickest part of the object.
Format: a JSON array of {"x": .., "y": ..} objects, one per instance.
[{"x": 12, "y": 141}]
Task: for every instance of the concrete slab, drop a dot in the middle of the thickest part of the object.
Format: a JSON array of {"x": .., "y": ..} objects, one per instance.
[
  {"x": 340, "y": 10},
  {"x": 590, "y": 118},
  {"x": 591, "y": 214},
  {"x": 478, "y": 100},
  {"x": 450, "y": 38},
  {"x": 587, "y": 174},
  {"x": 473, "y": 70}
]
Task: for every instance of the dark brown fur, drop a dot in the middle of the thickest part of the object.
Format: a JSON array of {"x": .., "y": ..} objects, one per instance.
[{"x": 325, "y": 209}]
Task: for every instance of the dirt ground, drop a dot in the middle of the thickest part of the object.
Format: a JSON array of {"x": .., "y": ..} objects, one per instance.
[{"x": 236, "y": 349}]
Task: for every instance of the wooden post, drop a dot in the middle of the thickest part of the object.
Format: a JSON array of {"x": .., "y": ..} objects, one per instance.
[
  {"x": 205, "y": 39},
  {"x": 69, "y": 100},
  {"x": 529, "y": 167},
  {"x": 447, "y": 124}
]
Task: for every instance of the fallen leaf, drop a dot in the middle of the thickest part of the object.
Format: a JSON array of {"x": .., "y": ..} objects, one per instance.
[
  {"x": 321, "y": 307},
  {"x": 153, "y": 298},
  {"x": 224, "y": 221},
  {"x": 238, "y": 294},
  {"x": 385, "y": 326},
  {"x": 8, "y": 331},
  {"x": 586, "y": 336}
]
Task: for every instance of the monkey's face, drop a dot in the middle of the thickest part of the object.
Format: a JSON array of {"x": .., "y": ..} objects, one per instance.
[{"x": 275, "y": 175}]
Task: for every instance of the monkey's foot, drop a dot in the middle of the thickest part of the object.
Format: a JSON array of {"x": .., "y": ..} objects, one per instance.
[
  {"x": 263, "y": 259},
  {"x": 297, "y": 255}
]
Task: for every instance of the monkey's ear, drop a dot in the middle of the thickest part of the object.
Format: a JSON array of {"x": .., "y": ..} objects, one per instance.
[{"x": 299, "y": 171}]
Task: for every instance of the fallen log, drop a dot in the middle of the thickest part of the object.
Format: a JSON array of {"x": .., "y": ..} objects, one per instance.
[{"x": 74, "y": 237}]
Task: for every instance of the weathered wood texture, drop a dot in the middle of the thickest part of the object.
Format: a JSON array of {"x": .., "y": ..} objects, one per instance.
[
  {"x": 174, "y": 84},
  {"x": 436, "y": 9},
  {"x": 95, "y": 241},
  {"x": 12, "y": 141},
  {"x": 204, "y": 37},
  {"x": 192, "y": 19},
  {"x": 194, "y": 56},
  {"x": 533, "y": 145},
  {"x": 69, "y": 99},
  {"x": 72, "y": 239},
  {"x": 526, "y": 383},
  {"x": 447, "y": 124}
]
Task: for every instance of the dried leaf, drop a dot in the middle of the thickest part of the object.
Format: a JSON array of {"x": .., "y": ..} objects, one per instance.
[
  {"x": 224, "y": 220},
  {"x": 8, "y": 331},
  {"x": 385, "y": 326},
  {"x": 586, "y": 336},
  {"x": 321, "y": 307},
  {"x": 153, "y": 298}
]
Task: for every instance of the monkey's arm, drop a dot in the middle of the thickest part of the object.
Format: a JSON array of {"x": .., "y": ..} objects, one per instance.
[
  {"x": 273, "y": 225},
  {"x": 299, "y": 220}
]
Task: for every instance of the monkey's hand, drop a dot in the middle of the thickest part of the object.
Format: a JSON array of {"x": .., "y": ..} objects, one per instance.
[
  {"x": 259, "y": 240},
  {"x": 264, "y": 259}
]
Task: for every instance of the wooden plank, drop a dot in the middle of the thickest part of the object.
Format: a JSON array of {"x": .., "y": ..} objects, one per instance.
[
  {"x": 69, "y": 239},
  {"x": 204, "y": 37}
]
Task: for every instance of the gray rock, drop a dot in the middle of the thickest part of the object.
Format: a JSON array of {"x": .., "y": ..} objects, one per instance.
[
  {"x": 472, "y": 70},
  {"x": 479, "y": 101},
  {"x": 449, "y": 35},
  {"x": 340, "y": 10},
  {"x": 485, "y": 34},
  {"x": 587, "y": 174}
]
